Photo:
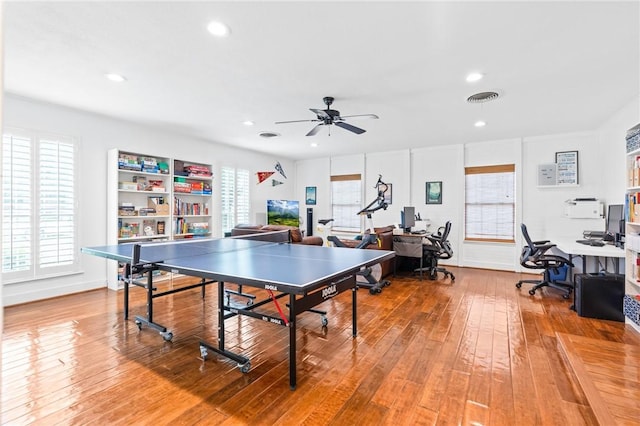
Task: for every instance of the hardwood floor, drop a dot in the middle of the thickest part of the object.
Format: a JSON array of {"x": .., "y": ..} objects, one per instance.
[{"x": 478, "y": 352}]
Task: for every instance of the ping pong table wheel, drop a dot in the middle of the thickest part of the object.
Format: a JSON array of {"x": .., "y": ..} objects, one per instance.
[
  {"x": 245, "y": 367},
  {"x": 249, "y": 302},
  {"x": 325, "y": 321},
  {"x": 167, "y": 336},
  {"x": 203, "y": 352},
  {"x": 139, "y": 324}
]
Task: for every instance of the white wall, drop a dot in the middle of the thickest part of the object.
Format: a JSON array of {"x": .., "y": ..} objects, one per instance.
[
  {"x": 440, "y": 164},
  {"x": 601, "y": 159},
  {"x": 394, "y": 168},
  {"x": 601, "y": 175},
  {"x": 97, "y": 134},
  {"x": 316, "y": 173}
]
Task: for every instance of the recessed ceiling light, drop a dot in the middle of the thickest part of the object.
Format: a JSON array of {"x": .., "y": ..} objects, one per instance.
[
  {"x": 314, "y": 145},
  {"x": 115, "y": 77},
  {"x": 480, "y": 123},
  {"x": 474, "y": 76},
  {"x": 218, "y": 29},
  {"x": 248, "y": 123}
]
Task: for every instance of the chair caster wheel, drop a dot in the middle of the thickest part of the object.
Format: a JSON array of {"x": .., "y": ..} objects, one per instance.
[
  {"x": 375, "y": 290},
  {"x": 245, "y": 367},
  {"x": 453, "y": 278},
  {"x": 139, "y": 324},
  {"x": 565, "y": 296},
  {"x": 325, "y": 321},
  {"x": 532, "y": 292},
  {"x": 518, "y": 285}
]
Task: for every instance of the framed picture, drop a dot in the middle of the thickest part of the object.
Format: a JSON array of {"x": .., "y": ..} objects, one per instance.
[
  {"x": 567, "y": 168},
  {"x": 388, "y": 194},
  {"x": 434, "y": 192},
  {"x": 310, "y": 195}
]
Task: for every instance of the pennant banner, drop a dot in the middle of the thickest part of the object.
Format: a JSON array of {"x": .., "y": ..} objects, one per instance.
[
  {"x": 262, "y": 176},
  {"x": 276, "y": 182},
  {"x": 279, "y": 169}
]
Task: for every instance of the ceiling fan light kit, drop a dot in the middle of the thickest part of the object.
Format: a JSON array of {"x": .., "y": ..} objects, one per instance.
[
  {"x": 482, "y": 97},
  {"x": 328, "y": 116}
]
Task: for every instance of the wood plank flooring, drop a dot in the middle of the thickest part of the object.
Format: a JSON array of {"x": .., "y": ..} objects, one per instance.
[
  {"x": 609, "y": 375},
  {"x": 476, "y": 352}
]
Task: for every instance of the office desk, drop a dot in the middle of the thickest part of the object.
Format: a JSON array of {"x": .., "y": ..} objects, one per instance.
[
  {"x": 408, "y": 245},
  {"x": 574, "y": 249}
]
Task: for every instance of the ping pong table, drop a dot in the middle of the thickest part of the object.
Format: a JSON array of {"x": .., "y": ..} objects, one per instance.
[{"x": 308, "y": 275}]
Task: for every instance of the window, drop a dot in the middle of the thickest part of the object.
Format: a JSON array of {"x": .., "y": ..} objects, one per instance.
[
  {"x": 490, "y": 203},
  {"x": 346, "y": 202},
  {"x": 235, "y": 197},
  {"x": 38, "y": 206}
]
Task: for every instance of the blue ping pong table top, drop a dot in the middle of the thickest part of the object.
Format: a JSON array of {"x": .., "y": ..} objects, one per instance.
[{"x": 294, "y": 268}]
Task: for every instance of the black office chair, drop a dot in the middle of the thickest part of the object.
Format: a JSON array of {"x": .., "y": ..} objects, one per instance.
[
  {"x": 439, "y": 249},
  {"x": 534, "y": 256}
]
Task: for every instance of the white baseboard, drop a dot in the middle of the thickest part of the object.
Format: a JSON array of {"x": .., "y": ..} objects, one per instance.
[{"x": 13, "y": 295}]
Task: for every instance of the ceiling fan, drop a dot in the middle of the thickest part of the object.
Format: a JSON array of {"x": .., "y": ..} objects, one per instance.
[{"x": 326, "y": 117}]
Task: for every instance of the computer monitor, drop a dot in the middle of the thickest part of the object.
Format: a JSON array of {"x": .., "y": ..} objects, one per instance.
[
  {"x": 408, "y": 218},
  {"x": 615, "y": 221}
]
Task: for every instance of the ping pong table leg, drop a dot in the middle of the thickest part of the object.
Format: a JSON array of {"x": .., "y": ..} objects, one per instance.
[
  {"x": 354, "y": 324},
  {"x": 166, "y": 335},
  {"x": 126, "y": 270},
  {"x": 243, "y": 363},
  {"x": 292, "y": 342}
]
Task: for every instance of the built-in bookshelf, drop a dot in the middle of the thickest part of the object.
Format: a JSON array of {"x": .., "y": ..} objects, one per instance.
[
  {"x": 155, "y": 198},
  {"x": 632, "y": 229}
]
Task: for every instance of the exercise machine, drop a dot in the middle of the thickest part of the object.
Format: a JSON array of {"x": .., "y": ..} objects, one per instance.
[{"x": 374, "y": 284}]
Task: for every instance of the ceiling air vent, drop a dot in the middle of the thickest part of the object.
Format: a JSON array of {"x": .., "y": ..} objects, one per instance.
[
  {"x": 269, "y": 134},
  {"x": 482, "y": 97}
]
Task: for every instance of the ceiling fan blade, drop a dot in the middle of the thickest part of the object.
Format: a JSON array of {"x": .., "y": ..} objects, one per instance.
[
  {"x": 320, "y": 113},
  {"x": 315, "y": 130},
  {"x": 360, "y": 116},
  {"x": 295, "y": 121},
  {"x": 349, "y": 127}
]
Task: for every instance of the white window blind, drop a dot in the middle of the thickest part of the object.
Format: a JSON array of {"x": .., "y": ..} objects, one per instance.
[
  {"x": 39, "y": 207},
  {"x": 490, "y": 203},
  {"x": 235, "y": 197},
  {"x": 346, "y": 202},
  {"x": 17, "y": 211}
]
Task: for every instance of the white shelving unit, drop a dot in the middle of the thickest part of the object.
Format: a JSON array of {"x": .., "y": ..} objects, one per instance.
[
  {"x": 192, "y": 195},
  {"x": 632, "y": 228},
  {"x": 142, "y": 201}
]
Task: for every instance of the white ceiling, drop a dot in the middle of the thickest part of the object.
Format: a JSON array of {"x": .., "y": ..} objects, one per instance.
[{"x": 558, "y": 66}]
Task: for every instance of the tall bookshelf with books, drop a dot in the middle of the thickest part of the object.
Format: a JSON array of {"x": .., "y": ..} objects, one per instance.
[
  {"x": 156, "y": 198},
  {"x": 631, "y": 304},
  {"x": 192, "y": 195}
]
